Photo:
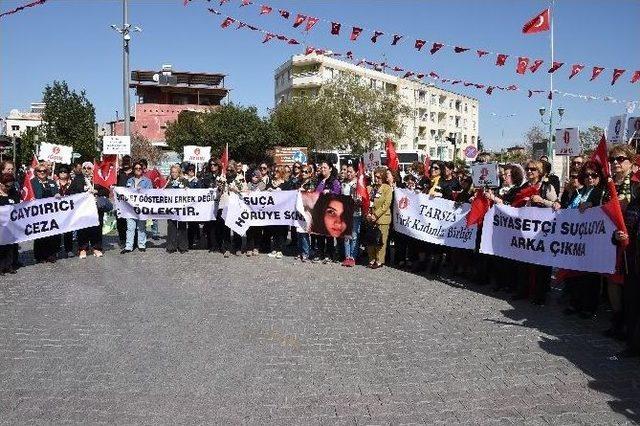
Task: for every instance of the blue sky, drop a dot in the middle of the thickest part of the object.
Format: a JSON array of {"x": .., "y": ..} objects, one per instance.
[{"x": 71, "y": 40}]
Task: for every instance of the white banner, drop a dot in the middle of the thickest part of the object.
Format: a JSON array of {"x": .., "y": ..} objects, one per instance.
[
  {"x": 568, "y": 141},
  {"x": 186, "y": 205},
  {"x": 615, "y": 130},
  {"x": 196, "y": 154},
  {"x": 565, "y": 239},
  {"x": 118, "y": 145},
  {"x": 53, "y": 153},
  {"x": 46, "y": 217},
  {"x": 434, "y": 220},
  {"x": 633, "y": 128},
  {"x": 261, "y": 208},
  {"x": 485, "y": 175},
  {"x": 372, "y": 159}
]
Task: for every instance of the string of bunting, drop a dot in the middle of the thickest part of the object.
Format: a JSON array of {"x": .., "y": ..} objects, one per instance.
[
  {"x": 402, "y": 71},
  {"x": 21, "y": 8},
  {"x": 524, "y": 64}
]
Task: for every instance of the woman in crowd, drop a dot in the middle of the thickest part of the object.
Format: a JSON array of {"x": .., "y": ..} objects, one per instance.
[
  {"x": 349, "y": 188},
  {"x": 448, "y": 182},
  {"x": 14, "y": 193},
  {"x": 214, "y": 229},
  {"x": 327, "y": 184},
  {"x": 176, "y": 230},
  {"x": 405, "y": 251},
  {"x": 6, "y": 250},
  {"x": 276, "y": 235},
  {"x": 308, "y": 184},
  {"x": 89, "y": 238},
  {"x": 136, "y": 228},
  {"x": 379, "y": 216},
  {"x": 123, "y": 176},
  {"x": 254, "y": 233},
  {"x": 45, "y": 249},
  {"x": 193, "y": 228},
  {"x": 235, "y": 183},
  {"x": 584, "y": 290},
  {"x": 535, "y": 280},
  {"x": 64, "y": 186},
  {"x": 621, "y": 158}
]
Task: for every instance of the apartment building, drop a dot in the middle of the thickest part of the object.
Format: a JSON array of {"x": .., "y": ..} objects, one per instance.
[{"x": 436, "y": 114}]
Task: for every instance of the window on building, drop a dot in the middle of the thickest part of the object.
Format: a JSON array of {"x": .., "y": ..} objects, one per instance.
[
  {"x": 473, "y": 140},
  {"x": 432, "y": 152},
  {"x": 465, "y": 139},
  {"x": 434, "y": 100},
  {"x": 465, "y": 107},
  {"x": 473, "y": 124},
  {"x": 15, "y": 128},
  {"x": 432, "y": 117},
  {"x": 422, "y": 95}
]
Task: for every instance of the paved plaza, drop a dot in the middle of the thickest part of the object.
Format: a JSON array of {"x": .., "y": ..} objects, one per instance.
[{"x": 195, "y": 338}]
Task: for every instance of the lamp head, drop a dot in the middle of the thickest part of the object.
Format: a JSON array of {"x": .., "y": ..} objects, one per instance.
[
  {"x": 561, "y": 111},
  {"x": 542, "y": 111}
]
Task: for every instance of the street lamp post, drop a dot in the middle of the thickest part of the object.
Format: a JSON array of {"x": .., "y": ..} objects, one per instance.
[{"x": 542, "y": 112}]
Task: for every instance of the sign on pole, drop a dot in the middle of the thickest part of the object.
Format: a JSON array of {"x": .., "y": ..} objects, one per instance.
[
  {"x": 633, "y": 128},
  {"x": 372, "y": 160},
  {"x": 196, "y": 154},
  {"x": 568, "y": 141},
  {"x": 55, "y": 153},
  {"x": 471, "y": 152},
  {"x": 485, "y": 175},
  {"x": 615, "y": 131},
  {"x": 289, "y": 155},
  {"x": 118, "y": 145}
]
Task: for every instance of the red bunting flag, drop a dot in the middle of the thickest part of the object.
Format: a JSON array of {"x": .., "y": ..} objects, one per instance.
[
  {"x": 349, "y": 54},
  {"x": 479, "y": 86},
  {"x": 489, "y": 90},
  {"x": 407, "y": 74},
  {"x": 223, "y": 2},
  {"x": 536, "y": 64},
  {"x": 635, "y": 77},
  {"x": 293, "y": 41},
  {"x": 398, "y": 69},
  {"x": 459, "y": 49},
  {"x": 420, "y": 76},
  {"x": 265, "y": 10},
  {"x": 479, "y": 207},
  {"x": 246, "y": 3},
  {"x": 436, "y": 47},
  {"x": 501, "y": 59},
  {"x": 311, "y": 21},
  {"x": 555, "y": 67},
  {"x": 299, "y": 20},
  {"x": 361, "y": 189},
  {"x": 355, "y": 33},
  {"x": 481, "y": 53},
  {"x": 595, "y": 73},
  {"x": 27, "y": 193},
  {"x": 419, "y": 44},
  {"x": 375, "y": 36},
  {"x": 227, "y": 21},
  {"x": 575, "y": 69},
  {"x": 186, "y": 2},
  {"x": 616, "y": 75},
  {"x": 396, "y": 39},
  {"x": 523, "y": 62},
  {"x": 538, "y": 24},
  {"x": 267, "y": 37},
  {"x": 392, "y": 158},
  {"x": 335, "y": 28},
  {"x": 309, "y": 50},
  {"x": 434, "y": 75},
  {"x": 284, "y": 13}
]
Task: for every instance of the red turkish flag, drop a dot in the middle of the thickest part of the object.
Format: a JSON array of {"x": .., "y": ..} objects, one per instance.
[
  {"x": 104, "y": 172},
  {"x": 299, "y": 20},
  {"x": 481, "y": 53},
  {"x": 575, "y": 69},
  {"x": 501, "y": 59},
  {"x": 246, "y": 3},
  {"x": 267, "y": 37},
  {"x": 396, "y": 39},
  {"x": 224, "y": 159},
  {"x": 522, "y": 65},
  {"x": 536, "y": 64},
  {"x": 355, "y": 33},
  {"x": 228, "y": 21},
  {"x": 596, "y": 72},
  {"x": 555, "y": 67},
  {"x": 311, "y": 21},
  {"x": 419, "y": 44},
  {"x": 523, "y": 196},
  {"x": 361, "y": 189},
  {"x": 616, "y": 75},
  {"x": 265, "y": 10},
  {"x": 27, "y": 193},
  {"x": 479, "y": 207},
  {"x": 635, "y": 77},
  {"x": 335, "y": 28},
  {"x": 538, "y": 24},
  {"x": 436, "y": 47},
  {"x": 600, "y": 156},
  {"x": 392, "y": 158}
]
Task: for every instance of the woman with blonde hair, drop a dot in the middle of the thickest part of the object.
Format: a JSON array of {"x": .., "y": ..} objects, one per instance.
[
  {"x": 379, "y": 218},
  {"x": 177, "y": 238}
]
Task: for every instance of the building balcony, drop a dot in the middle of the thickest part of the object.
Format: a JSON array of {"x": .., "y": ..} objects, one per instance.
[{"x": 307, "y": 80}]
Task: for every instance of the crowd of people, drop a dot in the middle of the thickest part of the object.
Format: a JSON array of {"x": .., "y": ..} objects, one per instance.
[{"x": 529, "y": 184}]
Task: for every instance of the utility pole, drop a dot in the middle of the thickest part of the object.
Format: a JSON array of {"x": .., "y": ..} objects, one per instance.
[{"x": 125, "y": 30}]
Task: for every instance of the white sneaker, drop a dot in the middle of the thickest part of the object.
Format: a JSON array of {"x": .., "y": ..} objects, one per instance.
[
  {"x": 83, "y": 254},
  {"x": 272, "y": 254},
  {"x": 71, "y": 254},
  {"x": 278, "y": 255},
  {"x": 97, "y": 253}
]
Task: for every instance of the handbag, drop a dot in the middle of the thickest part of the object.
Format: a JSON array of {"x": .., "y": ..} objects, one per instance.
[{"x": 372, "y": 235}]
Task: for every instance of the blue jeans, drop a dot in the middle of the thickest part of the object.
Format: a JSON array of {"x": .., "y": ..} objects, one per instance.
[
  {"x": 154, "y": 228},
  {"x": 134, "y": 225},
  {"x": 304, "y": 244},
  {"x": 351, "y": 248}
]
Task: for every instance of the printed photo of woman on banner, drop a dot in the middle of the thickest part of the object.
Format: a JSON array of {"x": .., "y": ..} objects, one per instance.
[{"x": 327, "y": 214}]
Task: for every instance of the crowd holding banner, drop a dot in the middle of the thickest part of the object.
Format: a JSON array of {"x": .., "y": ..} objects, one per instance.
[{"x": 512, "y": 233}]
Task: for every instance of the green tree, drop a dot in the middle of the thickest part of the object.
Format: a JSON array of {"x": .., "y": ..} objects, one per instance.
[
  {"x": 29, "y": 139},
  {"x": 248, "y": 135},
  {"x": 142, "y": 147},
  {"x": 590, "y": 138},
  {"x": 534, "y": 135},
  {"x": 69, "y": 119}
]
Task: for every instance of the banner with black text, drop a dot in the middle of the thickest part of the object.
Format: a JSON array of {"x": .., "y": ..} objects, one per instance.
[
  {"x": 185, "y": 205},
  {"x": 46, "y": 217},
  {"x": 565, "y": 239},
  {"x": 433, "y": 219},
  {"x": 261, "y": 208}
]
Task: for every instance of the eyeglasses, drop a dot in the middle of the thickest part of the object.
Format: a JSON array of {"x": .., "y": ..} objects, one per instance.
[
  {"x": 263, "y": 168},
  {"x": 88, "y": 168},
  {"x": 137, "y": 168},
  {"x": 40, "y": 171},
  {"x": 592, "y": 175},
  {"x": 435, "y": 168},
  {"x": 620, "y": 159},
  {"x": 531, "y": 169},
  {"x": 576, "y": 162}
]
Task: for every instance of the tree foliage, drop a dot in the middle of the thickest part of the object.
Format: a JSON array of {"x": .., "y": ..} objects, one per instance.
[
  {"x": 69, "y": 119},
  {"x": 248, "y": 135},
  {"x": 534, "y": 135},
  {"x": 142, "y": 147},
  {"x": 590, "y": 137},
  {"x": 29, "y": 139}
]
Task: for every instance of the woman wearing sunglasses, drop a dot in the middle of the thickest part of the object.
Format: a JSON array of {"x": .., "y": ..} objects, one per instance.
[{"x": 45, "y": 249}]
